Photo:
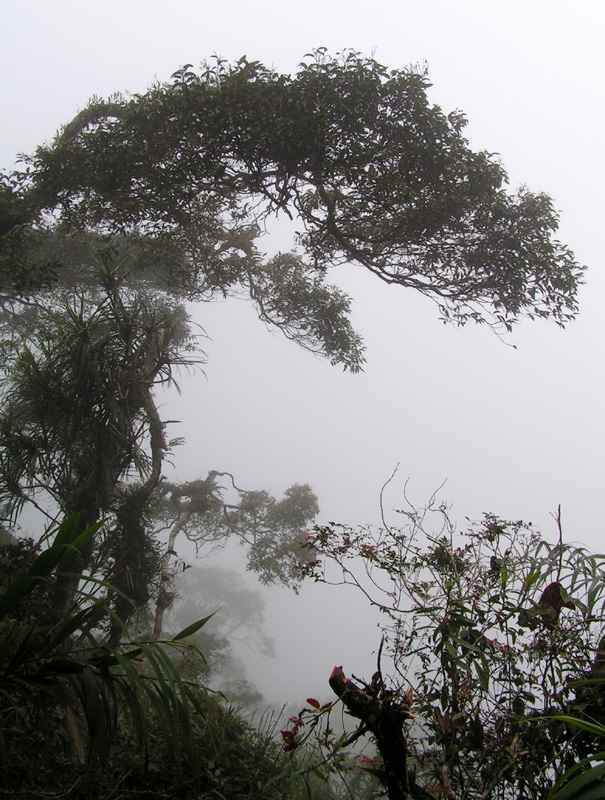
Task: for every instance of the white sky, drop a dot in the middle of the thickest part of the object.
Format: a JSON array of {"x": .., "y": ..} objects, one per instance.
[{"x": 514, "y": 431}]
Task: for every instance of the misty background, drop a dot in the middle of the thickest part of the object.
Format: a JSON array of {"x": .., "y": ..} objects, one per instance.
[{"x": 514, "y": 426}]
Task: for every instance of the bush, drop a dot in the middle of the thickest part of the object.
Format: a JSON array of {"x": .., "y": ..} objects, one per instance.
[{"x": 495, "y": 633}]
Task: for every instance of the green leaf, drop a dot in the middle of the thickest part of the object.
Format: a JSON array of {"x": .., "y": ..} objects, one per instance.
[
  {"x": 76, "y": 623},
  {"x": 567, "y": 598},
  {"x": 193, "y": 628},
  {"x": 453, "y": 652},
  {"x": 591, "y": 727},
  {"x": 64, "y": 543},
  {"x": 482, "y": 671},
  {"x": 572, "y": 789},
  {"x": 530, "y": 579}
]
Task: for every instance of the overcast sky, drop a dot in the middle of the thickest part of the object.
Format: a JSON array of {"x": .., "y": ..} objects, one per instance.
[{"x": 515, "y": 431}]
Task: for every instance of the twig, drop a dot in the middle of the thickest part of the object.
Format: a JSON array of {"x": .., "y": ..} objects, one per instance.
[{"x": 381, "y": 497}]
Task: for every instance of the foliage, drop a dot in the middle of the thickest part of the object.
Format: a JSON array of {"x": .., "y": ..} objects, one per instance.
[
  {"x": 190, "y": 171},
  {"x": 118, "y": 720},
  {"x": 56, "y": 678},
  {"x": 584, "y": 780},
  {"x": 236, "y": 762},
  {"x": 142, "y": 202},
  {"x": 78, "y": 411},
  {"x": 80, "y": 431},
  {"x": 489, "y": 629},
  {"x": 274, "y": 532}
]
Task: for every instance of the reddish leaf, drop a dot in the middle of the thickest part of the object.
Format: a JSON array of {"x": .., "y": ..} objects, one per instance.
[
  {"x": 552, "y": 596},
  {"x": 313, "y": 702},
  {"x": 290, "y": 742}
]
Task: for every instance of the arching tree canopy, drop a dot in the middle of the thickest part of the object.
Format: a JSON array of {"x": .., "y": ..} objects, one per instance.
[{"x": 374, "y": 174}]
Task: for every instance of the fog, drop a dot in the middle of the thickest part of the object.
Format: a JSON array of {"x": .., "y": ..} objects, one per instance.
[{"x": 507, "y": 425}]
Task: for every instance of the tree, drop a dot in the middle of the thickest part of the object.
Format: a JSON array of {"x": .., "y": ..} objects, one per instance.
[
  {"x": 80, "y": 432},
  {"x": 274, "y": 532},
  {"x": 79, "y": 421},
  {"x": 79, "y": 399},
  {"x": 189, "y": 172},
  {"x": 492, "y": 636}
]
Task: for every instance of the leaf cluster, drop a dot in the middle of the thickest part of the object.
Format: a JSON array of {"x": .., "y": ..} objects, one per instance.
[
  {"x": 273, "y": 531},
  {"x": 101, "y": 720},
  {"x": 76, "y": 404}
]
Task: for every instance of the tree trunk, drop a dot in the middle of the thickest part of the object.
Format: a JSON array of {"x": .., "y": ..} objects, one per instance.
[{"x": 165, "y": 596}]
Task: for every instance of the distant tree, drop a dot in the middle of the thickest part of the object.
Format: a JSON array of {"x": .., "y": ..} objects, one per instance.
[
  {"x": 273, "y": 532},
  {"x": 491, "y": 637},
  {"x": 237, "y": 616},
  {"x": 189, "y": 172}
]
